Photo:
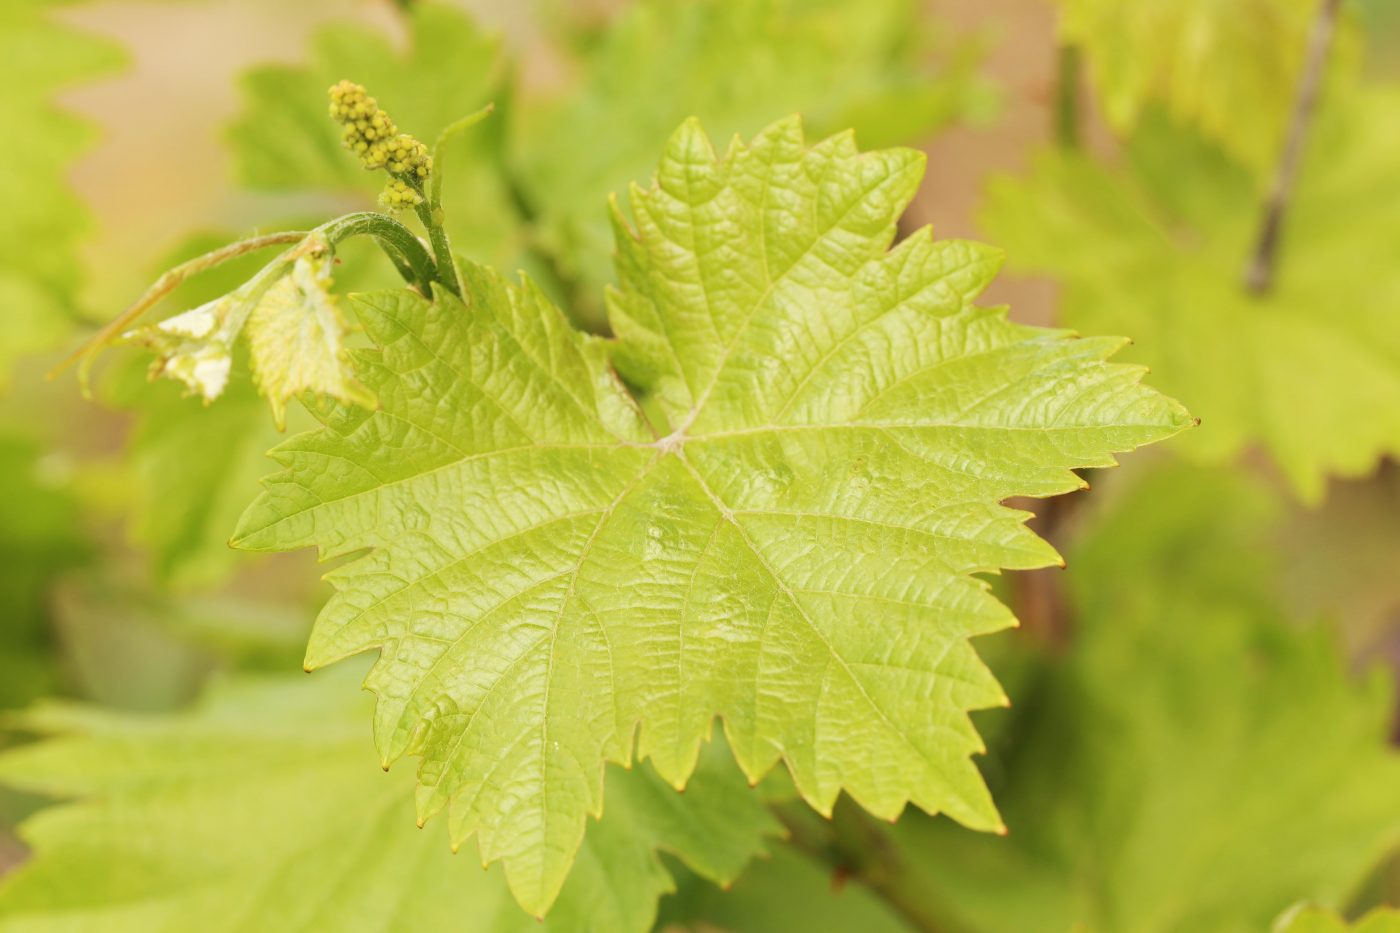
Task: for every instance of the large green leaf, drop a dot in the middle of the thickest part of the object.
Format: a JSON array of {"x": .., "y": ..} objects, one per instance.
[
  {"x": 42, "y": 217},
  {"x": 792, "y": 550},
  {"x": 1311, "y": 370},
  {"x": 737, "y": 67},
  {"x": 261, "y": 810},
  {"x": 1199, "y": 761}
]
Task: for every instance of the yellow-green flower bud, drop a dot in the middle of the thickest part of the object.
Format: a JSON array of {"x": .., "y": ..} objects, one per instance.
[
  {"x": 365, "y": 128},
  {"x": 371, "y": 134},
  {"x": 398, "y": 195},
  {"x": 406, "y": 155}
]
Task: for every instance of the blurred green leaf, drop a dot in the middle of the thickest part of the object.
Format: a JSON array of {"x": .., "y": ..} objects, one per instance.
[
  {"x": 262, "y": 809},
  {"x": 842, "y": 64},
  {"x": 39, "y": 540},
  {"x": 1196, "y": 762},
  {"x": 1309, "y": 919},
  {"x": 1230, "y": 68},
  {"x": 784, "y": 892},
  {"x": 42, "y": 218},
  {"x": 1157, "y": 249}
]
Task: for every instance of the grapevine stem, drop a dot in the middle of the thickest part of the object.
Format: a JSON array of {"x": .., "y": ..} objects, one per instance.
[
  {"x": 859, "y": 848},
  {"x": 431, "y": 218},
  {"x": 1068, "y": 67},
  {"x": 430, "y": 211},
  {"x": 403, "y": 248},
  {"x": 1259, "y": 276}
]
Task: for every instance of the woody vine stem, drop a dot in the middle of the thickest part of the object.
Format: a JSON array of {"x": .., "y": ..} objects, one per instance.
[{"x": 1259, "y": 277}]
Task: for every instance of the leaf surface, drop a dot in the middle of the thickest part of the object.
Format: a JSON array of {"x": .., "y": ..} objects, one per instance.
[
  {"x": 259, "y": 810},
  {"x": 550, "y": 578}
]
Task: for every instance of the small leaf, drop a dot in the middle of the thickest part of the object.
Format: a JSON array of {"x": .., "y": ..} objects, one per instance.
[
  {"x": 193, "y": 347},
  {"x": 297, "y": 340},
  {"x": 295, "y": 333}
]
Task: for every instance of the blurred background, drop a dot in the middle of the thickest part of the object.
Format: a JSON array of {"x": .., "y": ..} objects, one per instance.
[{"x": 1204, "y": 709}]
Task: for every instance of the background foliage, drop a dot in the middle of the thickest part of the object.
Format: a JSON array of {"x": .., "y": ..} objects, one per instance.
[{"x": 1204, "y": 711}]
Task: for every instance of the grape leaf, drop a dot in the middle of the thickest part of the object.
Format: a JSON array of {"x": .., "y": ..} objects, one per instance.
[
  {"x": 1200, "y": 761},
  {"x": 736, "y": 67},
  {"x": 258, "y": 810},
  {"x": 296, "y": 341},
  {"x": 43, "y": 219},
  {"x": 1311, "y": 371},
  {"x": 1229, "y": 69},
  {"x": 547, "y": 575},
  {"x": 1312, "y": 919}
]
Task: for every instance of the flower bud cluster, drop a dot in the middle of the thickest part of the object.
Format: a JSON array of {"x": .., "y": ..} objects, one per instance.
[
  {"x": 365, "y": 128},
  {"x": 399, "y": 194},
  {"x": 371, "y": 134},
  {"x": 406, "y": 155}
]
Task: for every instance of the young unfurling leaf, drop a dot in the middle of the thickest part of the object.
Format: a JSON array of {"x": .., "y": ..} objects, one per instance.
[
  {"x": 296, "y": 338},
  {"x": 294, "y": 329}
]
